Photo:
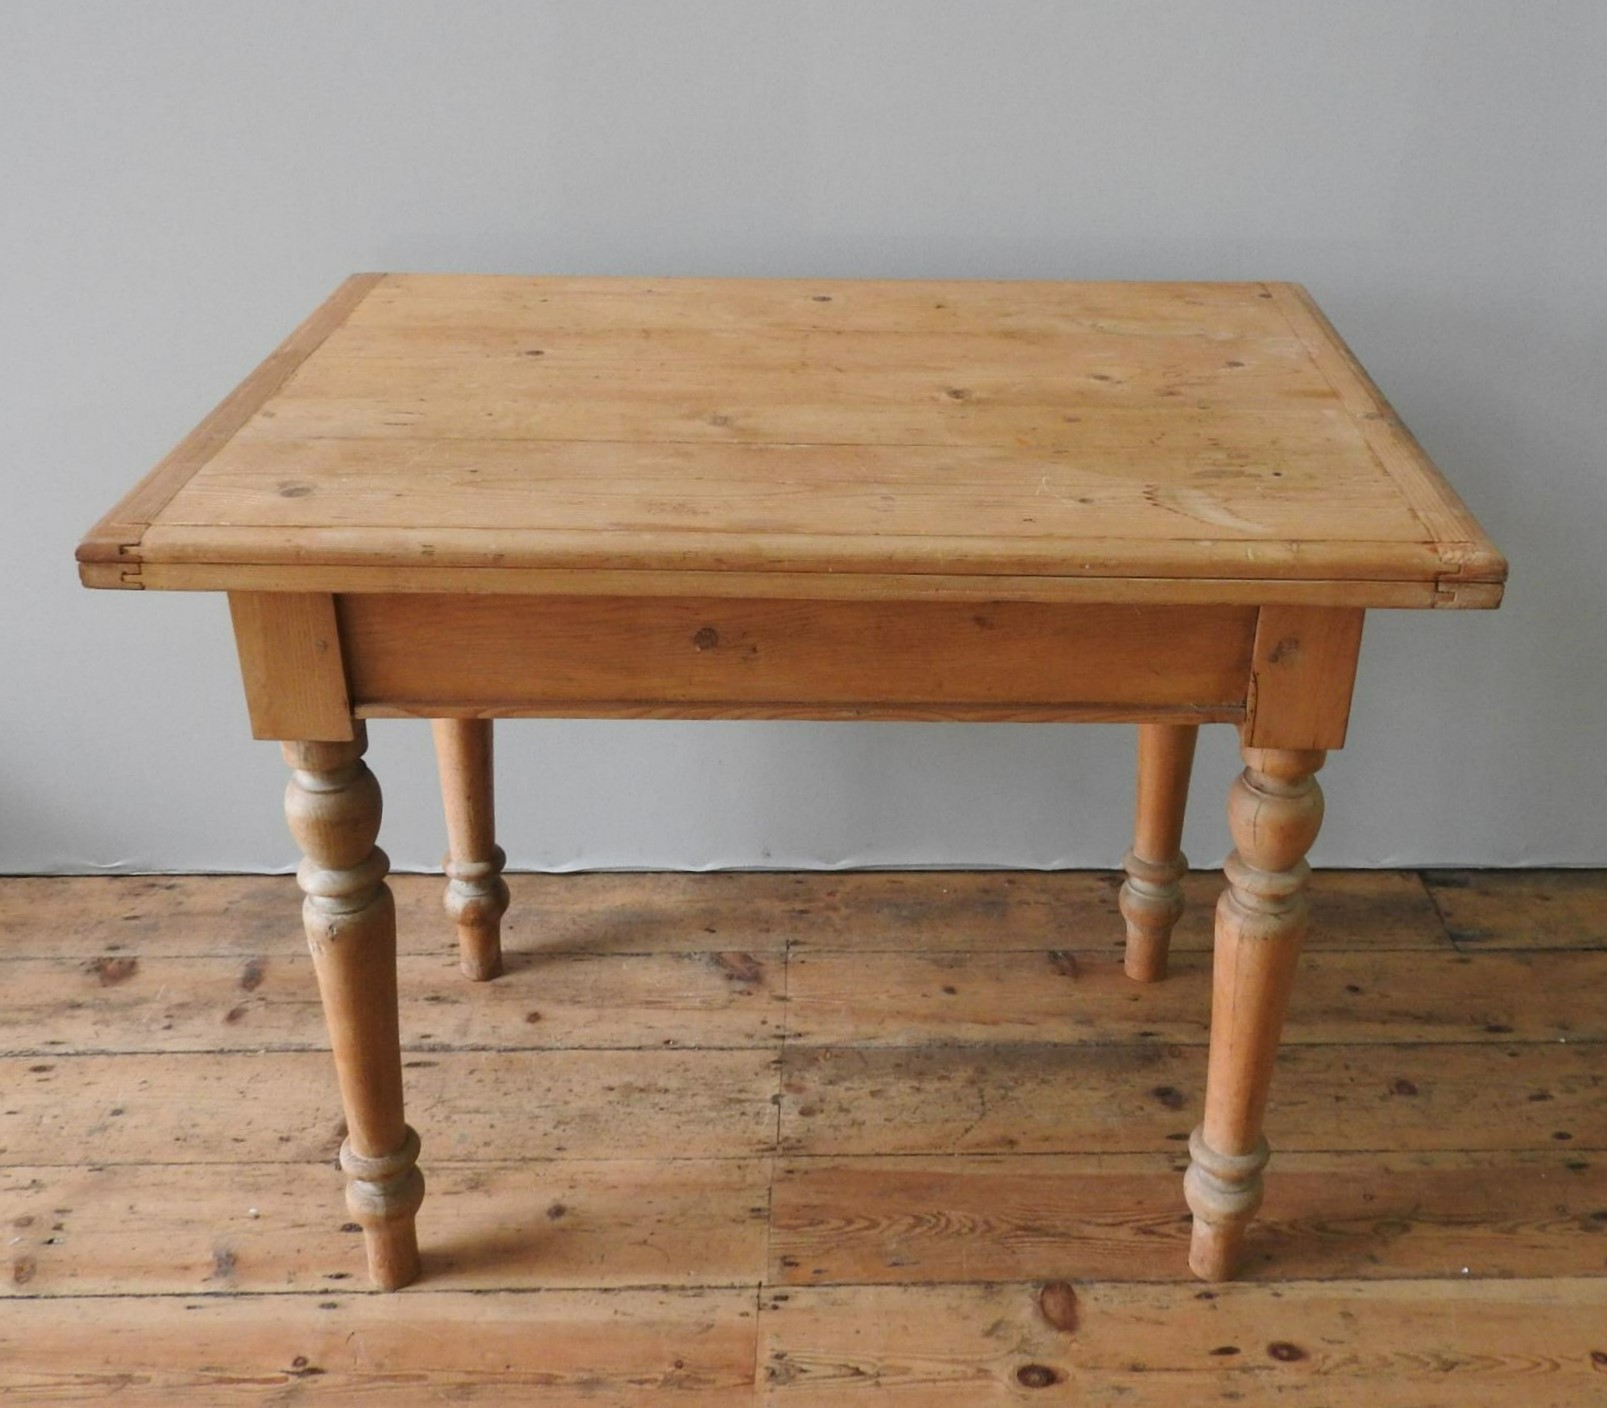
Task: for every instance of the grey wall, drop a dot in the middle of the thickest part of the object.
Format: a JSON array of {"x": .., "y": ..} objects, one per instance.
[{"x": 182, "y": 181}]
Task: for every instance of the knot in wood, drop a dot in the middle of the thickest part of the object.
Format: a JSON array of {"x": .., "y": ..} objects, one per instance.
[{"x": 1036, "y": 1376}]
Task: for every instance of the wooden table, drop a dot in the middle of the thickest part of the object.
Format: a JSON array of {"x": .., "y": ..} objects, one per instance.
[{"x": 464, "y": 498}]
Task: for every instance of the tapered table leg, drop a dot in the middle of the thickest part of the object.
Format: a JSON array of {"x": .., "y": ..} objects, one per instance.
[
  {"x": 333, "y": 807},
  {"x": 476, "y": 894},
  {"x": 1152, "y": 897},
  {"x": 1274, "y": 810}
]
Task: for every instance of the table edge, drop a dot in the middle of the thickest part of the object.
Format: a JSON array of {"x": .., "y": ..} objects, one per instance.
[
  {"x": 1468, "y": 551},
  {"x": 117, "y": 535},
  {"x": 1455, "y": 565},
  {"x": 387, "y": 579}
]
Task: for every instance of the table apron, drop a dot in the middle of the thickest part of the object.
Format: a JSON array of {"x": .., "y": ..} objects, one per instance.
[
  {"x": 866, "y": 659},
  {"x": 312, "y": 662}
]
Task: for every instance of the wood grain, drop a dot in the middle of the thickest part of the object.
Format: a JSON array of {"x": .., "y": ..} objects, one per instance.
[
  {"x": 1141, "y": 1096},
  {"x": 1301, "y": 675},
  {"x": 185, "y": 1229},
  {"x": 843, "y": 997},
  {"x": 1115, "y": 1217},
  {"x": 290, "y": 664},
  {"x": 988, "y": 1222},
  {"x": 1274, "y": 810},
  {"x": 339, "y": 569},
  {"x": 1537, "y": 909},
  {"x": 733, "y": 997},
  {"x": 717, "y": 998},
  {"x": 1350, "y": 909},
  {"x": 591, "y": 1104},
  {"x": 508, "y": 653},
  {"x": 254, "y": 916},
  {"x": 1192, "y": 432},
  {"x": 115, "y": 539},
  {"x": 332, "y": 806},
  {"x": 1392, "y": 1344},
  {"x": 1474, "y": 570},
  {"x": 636, "y": 1347}
]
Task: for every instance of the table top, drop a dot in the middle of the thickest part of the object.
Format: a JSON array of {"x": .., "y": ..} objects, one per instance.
[{"x": 1187, "y": 442}]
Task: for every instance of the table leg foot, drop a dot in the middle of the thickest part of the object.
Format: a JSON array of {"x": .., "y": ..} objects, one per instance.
[
  {"x": 1151, "y": 902},
  {"x": 476, "y": 894},
  {"x": 333, "y": 807},
  {"x": 1224, "y": 1194},
  {"x": 1152, "y": 898},
  {"x": 384, "y": 1194},
  {"x": 1274, "y": 810},
  {"x": 477, "y": 898}
]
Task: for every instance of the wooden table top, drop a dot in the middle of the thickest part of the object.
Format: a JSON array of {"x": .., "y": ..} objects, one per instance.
[{"x": 1188, "y": 442}]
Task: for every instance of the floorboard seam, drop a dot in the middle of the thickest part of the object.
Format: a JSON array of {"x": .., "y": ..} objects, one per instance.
[
  {"x": 1562, "y": 1155},
  {"x": 779, "y": 1098},
  {"x": 1495, "y": 1042}
]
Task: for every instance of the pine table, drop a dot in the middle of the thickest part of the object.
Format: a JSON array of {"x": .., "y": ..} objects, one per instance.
[{"x": 466, "y": 498}]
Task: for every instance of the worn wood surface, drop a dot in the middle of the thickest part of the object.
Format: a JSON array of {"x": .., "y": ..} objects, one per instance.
[
  {"x": 721, "y": 998},
  {"x": 1127, "y": 1098},
  {"x": 566, "y": 1349},
  {"x": 1423, "y": 1344},
  {"x": 109, "y": 553},
  {"x": 996, "y": 1217},
  {"x": 1076, "y": 996},
  {"x": 432, "y": 654},
  {"x": 920, "y": 1203},
  {"x": 424, "y": 652},
  {"x": 1275, "y": 808},
  {"x": 756, "y": 911},
  {"x": 513, "y": 1105},
  {"x": 1547, "y": 909},
  {"x": 332, "y": 805},
  {"x": 290, "y": 665},
  {"x": 532, "y": 1225},
  {"x": 1193, "y": 433},
  {"x": 1301, "y": 677}
]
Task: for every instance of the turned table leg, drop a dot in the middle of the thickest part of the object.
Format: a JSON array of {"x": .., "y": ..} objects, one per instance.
[
  {"x": 1274, "y": 810},
  {"x": 476, "y": 894},
  {"x": 333, "y": 807},
  {"x": 1152, "y": 897}
]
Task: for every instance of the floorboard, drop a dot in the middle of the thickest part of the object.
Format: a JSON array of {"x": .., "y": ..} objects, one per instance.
[{"x": 892, "y": 1138}]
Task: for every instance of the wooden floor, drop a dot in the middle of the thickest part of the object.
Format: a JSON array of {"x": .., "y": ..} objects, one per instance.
[{"x": 804, "y": 1140}]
